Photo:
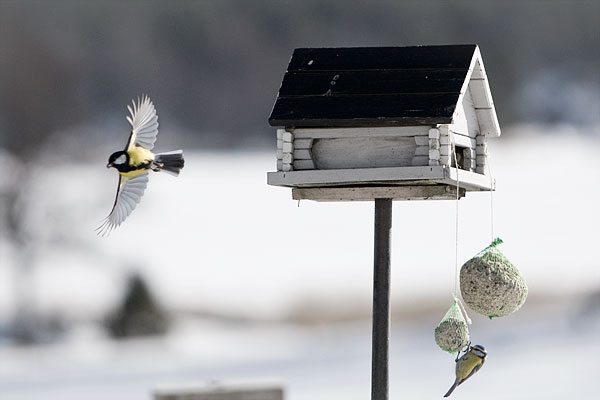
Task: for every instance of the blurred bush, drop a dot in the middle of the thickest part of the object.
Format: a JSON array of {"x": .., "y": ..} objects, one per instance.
[{"x": 139, "y": 313}]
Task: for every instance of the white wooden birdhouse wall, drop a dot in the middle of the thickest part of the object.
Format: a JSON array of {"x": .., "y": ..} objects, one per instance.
[{"x": 362, "y": 123}]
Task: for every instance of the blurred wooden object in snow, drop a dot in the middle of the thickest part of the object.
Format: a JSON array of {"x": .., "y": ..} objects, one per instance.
[{"x": 218, "y": 391}]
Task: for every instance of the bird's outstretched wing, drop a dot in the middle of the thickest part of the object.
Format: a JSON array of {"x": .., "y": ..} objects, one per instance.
[
  {"x": 144, "y": 124},
  {"x": 129, "y": 193}
]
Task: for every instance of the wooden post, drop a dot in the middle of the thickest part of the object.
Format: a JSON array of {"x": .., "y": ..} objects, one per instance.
[{"x": 381, "y": 300}]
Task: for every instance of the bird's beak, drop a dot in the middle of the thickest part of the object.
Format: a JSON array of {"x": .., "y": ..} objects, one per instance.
[{"x": 109, "y": 165}]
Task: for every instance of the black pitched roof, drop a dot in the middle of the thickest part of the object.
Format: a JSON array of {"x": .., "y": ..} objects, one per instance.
[{"x": 372, "y": 86}]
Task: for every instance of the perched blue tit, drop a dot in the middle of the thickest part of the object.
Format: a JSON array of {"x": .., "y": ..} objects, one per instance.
[
  {"x": 135, "y": 161},
  {"x": 468, "y": 364}
]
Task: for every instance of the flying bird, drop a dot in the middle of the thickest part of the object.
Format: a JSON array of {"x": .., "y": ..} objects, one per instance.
[{"x": 135, "y": 161}]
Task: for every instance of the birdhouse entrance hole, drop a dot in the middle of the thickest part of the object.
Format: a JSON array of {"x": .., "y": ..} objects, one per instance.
[{"x": 462, "y": 158}]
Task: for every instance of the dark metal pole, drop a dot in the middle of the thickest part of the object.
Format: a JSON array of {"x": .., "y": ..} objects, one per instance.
[{"x": 381, "y": 300}]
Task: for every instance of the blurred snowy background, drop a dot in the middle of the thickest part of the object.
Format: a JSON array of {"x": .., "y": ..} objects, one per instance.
[{"x": 201, "y": 283}]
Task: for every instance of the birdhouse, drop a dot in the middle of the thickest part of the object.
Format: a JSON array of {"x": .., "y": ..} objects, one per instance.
[{"x": 383, "y": 122}]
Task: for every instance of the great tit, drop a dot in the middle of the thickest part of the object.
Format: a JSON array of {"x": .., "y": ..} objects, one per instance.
[
  {"x": 134, "y": 163},
  {"x": 467, "y": 365}
]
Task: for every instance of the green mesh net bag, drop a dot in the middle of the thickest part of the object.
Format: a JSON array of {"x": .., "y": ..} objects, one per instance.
[
  {"x": 491, "y": 285},
  {"x": 452, "y": 333}
]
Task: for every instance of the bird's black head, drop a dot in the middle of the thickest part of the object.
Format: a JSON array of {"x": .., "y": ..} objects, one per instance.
[{"x": 118, "y": 158}]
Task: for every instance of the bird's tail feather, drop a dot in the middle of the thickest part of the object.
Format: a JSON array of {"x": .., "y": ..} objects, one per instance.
[
  {"x": 449, "y": 392},
  {"x": 171, "y": 161}
]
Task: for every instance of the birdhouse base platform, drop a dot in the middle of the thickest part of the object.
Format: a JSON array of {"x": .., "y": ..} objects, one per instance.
[
  {"x": 401, "y": 183},
  {"x": 433, "y": 192}
]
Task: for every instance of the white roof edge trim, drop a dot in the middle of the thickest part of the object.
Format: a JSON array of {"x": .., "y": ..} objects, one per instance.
[{"x": 476, "y": 60}]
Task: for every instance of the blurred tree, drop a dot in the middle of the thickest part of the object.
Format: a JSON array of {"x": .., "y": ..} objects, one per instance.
[
  {"x": 33, "y": 79},
  {"x": 139, "y": 314},
  {"x": 215, "y": 66}
]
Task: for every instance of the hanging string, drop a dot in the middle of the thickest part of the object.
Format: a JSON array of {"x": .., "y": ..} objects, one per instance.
[
  {"x": 453, "y": 144},
  {"x": 456, "y": 273},
  {"x": 492, "y": 188},
  {"x": 464, "y": 311}
]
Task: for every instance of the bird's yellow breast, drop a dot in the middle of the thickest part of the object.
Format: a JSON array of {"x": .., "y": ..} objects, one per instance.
[
  {"x": 139, "y": 155},
  {"x": 469, "y": 362},
  {"x": 139, "y": 158}
]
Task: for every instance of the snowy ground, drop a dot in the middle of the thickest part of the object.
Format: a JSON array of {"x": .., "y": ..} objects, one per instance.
[
  {"x": 218, "y": 239},
  {"x": 539, "y": 353}
]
